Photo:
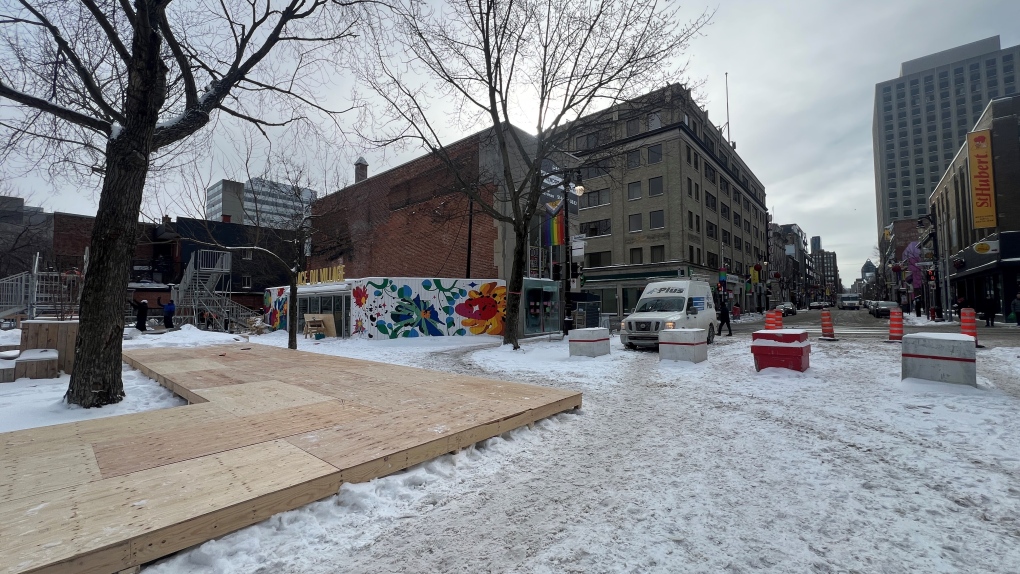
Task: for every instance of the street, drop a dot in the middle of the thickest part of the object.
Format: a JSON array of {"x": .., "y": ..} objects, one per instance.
[{"x": 861, "y": 325}]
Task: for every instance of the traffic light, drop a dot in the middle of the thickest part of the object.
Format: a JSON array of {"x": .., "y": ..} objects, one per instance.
[
  {"x": 931, "y": 275},
  {"x": 557, "y": 272},
  {"x": 575, "y": 269}
]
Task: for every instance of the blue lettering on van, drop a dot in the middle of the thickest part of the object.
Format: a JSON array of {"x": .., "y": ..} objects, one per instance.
[
  {"x": 698, "y": 302},
  {"x": 676, "y": 290}
]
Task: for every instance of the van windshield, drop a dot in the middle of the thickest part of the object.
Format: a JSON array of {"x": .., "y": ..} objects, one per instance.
[{"x": 660, "y": 304}]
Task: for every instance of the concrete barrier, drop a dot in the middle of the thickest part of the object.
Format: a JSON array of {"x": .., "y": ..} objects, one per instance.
[
  {"x": 783, "y": 348},
  {"x": 593, "y": 342},
  {"x": 683, "y": 345},
  {"x": 944, "y": 357}
]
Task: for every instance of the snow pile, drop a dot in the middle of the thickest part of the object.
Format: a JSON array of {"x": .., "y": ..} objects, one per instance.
[
  {"x": 186, "y": 336},
  {"x": 408, "y": 351},
  {"x": 912, "y": 320},
  {"x": 29, "y": 403},
  {"x": 10, "y": 337}
]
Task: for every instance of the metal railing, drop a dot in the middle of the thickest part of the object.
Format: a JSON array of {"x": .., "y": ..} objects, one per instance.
[{"x": 198, "y": 297}]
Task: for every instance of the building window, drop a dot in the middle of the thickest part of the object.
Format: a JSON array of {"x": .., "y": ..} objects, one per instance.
[
  {"x": 710, "y": 229},
  {"x": 658, "y": 253},
  {"x": 697, "y": 223},
  {"x": 598, "y": 259},
  {"x": 587, "y": 141},
  {"x": 738, "y": 243},
  {"x": 710, "y": 201},
  {"x": 724, "y": 211},
  {"x": 657, "y": 219},
  {"x": 690, "y": 220},
  {"x": 654, "y": 153},
  {"x": 635, "y": 256},
  {"x": 633, "y": 127},
  {"x": 634, "y": 222},
  {"x": 654, "y": 186},
  {"x": 698, "y": 260},
  {"x": 697, "y": 192},
  {"x": 690, "y": 187},
  {"x": 709, "y": 173},
  {"x": 593, "y": 198},
  {"x": 654, "y": 121},
  {"x": 597, "y": 169},
  {"x": 725, "y": 237},
  {"x": 697, "y": 162},
  {"x": 634, "y": 158},
  {"x": 634, "y": 190},
  {"x": 736, "y": 219},
  {"x": 248, "y": 254},
  {"x": 246, "y": 282},
  {"x": 596, "y": 228},
  {"x": 712, "y": 260}
]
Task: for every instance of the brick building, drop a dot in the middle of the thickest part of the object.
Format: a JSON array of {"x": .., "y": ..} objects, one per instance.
[{"x": 411, "y": 221}]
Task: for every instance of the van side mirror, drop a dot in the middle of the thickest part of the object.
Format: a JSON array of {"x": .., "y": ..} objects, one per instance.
[{"x": 692, "y": 311}]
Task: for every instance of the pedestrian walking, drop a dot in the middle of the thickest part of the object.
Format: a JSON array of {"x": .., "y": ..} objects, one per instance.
[
  {"x": 169, "y": 310},
  {"x": 1014, "y": 306},
  {"x": 724, "y": 319},
  {"x": 141, "y": 313},
  {"x": 990, "y": 308}
]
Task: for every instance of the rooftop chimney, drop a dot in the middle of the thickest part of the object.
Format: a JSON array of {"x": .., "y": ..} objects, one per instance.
[{"x": 360, "y": 170}]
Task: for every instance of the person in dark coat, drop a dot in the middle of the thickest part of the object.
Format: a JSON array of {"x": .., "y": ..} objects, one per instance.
[
  {"x": 724, "y": 319},
  {"x": 168, "y": 312},
  {"x": 991, "y": 307},
  {"x": 142, "y": 313}
]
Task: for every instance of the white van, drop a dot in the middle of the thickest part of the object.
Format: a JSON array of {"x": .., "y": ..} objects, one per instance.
[{"x": 669, "y": 305}]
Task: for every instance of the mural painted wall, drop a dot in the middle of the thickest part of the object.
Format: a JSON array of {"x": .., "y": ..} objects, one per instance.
[
  {"x": 275, "y": 306},
  {"x": 394, "y": 307}
]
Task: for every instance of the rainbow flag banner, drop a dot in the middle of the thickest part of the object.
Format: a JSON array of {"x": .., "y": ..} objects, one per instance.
[{"x": 553, "y": 231}]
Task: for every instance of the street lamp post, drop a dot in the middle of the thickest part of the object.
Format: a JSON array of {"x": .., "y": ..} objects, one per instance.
[
  {"x": 933, "y": 234},
  {"x": 570, "y": 178}
]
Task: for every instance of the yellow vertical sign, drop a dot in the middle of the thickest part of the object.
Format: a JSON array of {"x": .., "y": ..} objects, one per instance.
[{"x": 982, "y": 180}]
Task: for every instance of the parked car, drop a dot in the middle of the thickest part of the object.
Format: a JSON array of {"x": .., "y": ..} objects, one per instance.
[
  {"x": 816, "y": 305},
  {"x": 881, "y": 308},
  {"x": 787, "y": 308}
]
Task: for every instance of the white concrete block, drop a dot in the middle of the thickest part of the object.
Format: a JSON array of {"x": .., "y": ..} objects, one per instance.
[
  {"x": 593, "y": 342},
  {"x": 944, "y": 357},
  {"x": 683, "y": 345}
]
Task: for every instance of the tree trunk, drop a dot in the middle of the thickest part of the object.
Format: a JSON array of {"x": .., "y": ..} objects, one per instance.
[
  {"x": 515, "y": 288},
  {"x": 292, "y": 323},
  {"x": 96, "y": 380}
]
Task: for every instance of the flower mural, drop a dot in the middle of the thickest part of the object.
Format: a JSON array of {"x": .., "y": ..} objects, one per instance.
[
  {"x": 360, "y": 295},
  {"x": 414, "y": 307},
  {"x": 484, "y": 310},
  {"x": 276, "y": 307}
]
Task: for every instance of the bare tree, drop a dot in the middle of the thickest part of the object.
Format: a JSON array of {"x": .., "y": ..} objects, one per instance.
[
  {"x": 540, "y": 63},
  {"x": 114, "y": 88}
]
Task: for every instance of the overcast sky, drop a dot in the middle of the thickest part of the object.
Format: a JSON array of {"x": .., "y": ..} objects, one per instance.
[{"x": 802, "y": 77}]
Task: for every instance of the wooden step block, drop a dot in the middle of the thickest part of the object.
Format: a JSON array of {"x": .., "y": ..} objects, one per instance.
[
  {"x": 36, "y": 364},
  {"x": 6, "y": 371}
]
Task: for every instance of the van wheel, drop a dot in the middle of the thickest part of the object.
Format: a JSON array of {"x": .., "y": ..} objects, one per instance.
[
  {"x": 631, "y": 346},
  {"x": 711, "y": 335}
]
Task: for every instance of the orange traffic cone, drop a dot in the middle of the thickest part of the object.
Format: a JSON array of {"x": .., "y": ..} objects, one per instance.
[
  {"x": 770, "y": 320},
  {"x": 968, "y": 324},
  {"x": 895, "y": 325},
  {"x": 779, "y": 319},
  {"x": 828, "y": 333}
]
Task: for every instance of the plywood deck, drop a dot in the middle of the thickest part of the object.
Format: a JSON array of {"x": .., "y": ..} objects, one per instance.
[{"x": 269, "y": 430}]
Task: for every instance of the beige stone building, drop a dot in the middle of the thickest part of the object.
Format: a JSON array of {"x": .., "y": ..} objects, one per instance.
[{"x": 666, "y": 196}]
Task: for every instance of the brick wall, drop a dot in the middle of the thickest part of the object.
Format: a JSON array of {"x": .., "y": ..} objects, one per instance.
[
  {"x": 72, "y": 234},
  {"x": 408, "y": 222}
]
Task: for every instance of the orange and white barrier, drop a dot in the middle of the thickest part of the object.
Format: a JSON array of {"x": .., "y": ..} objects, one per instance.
[
  {"x": 770, "y": 320},
  {"x": 895, "y": 324},
  {"x": 828, "y": 331},
  {"x": 968, "y": 324}
]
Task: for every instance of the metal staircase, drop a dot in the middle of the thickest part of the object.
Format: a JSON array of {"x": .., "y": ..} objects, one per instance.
[
  {"x": 200, "y": 293},
  {"x": 41, "y": 293}
]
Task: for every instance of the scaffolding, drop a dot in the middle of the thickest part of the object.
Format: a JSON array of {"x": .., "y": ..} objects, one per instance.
[{"x": 200, "y": 298}]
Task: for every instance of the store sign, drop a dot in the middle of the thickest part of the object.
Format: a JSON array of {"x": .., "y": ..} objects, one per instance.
[
  {"x": 324, "y": 275},
  {"x": 982, "y": 180},
  {"x": 986, "y": 247}
]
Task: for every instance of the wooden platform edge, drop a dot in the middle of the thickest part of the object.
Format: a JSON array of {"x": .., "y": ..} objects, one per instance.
[{"x": 160, "y": 543}]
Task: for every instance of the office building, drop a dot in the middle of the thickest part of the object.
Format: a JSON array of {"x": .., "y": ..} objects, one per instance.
[
  {"x": 260, "y": 202},
  {"x": 816, "y": 244},
  {"x": 828, "y": 274},
  {"x": 922, "y": 117},
  {"x": 976, "y": 211},
  {"x": 667, "y": 198}
]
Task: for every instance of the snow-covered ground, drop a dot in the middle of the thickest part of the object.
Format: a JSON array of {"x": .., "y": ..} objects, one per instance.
[
  {"x": 28, "y": 403},
  {"x": 676, "y": 467}
]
